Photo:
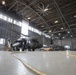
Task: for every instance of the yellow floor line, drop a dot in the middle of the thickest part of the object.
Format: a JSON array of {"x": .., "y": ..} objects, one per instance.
[
  {"x": 73, "y": 55},
  {"x": 28, "y": 66},
  {"x": 17, "y": 52}
]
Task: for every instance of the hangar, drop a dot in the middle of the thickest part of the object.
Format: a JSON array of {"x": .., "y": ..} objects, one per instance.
[{"x": 37, "y": 37}]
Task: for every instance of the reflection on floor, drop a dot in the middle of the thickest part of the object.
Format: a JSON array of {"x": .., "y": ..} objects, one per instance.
[{"x": 47, "y": 63}]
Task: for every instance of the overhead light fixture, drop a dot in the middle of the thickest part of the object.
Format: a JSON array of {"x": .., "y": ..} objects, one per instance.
[
  {"x": 28, "y": 18},
  {"x": 63, "y": 37},
  {"x": 68, "y": 31},
  {"x": 46, "y": 9},
  {"x": 59, "y": 34},
  {"x": 74, "y": 15},
  {"x": 71, "y": 36},
  {"x": 49, "y": 31},
  {"x": 62, "y": 28},
  {"x": 52, "y": 34},
  {"x": 56, "y": 21},
  {"x": 3, "y": 2},
  {"x": 42, "y": 26}
]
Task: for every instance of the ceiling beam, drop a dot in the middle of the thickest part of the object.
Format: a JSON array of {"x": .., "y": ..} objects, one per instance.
[
  {"x": 60, "y": 8},
  {"x": 35, "y": 12},
  {"x": 61, "y": 14},
  {"x": 63, "y": 30},
  {"x": 15, "y": 2},
  {"x": 57, "y": 17},
  {"x": 51, "y": 26},
  {"x": 34, "y": 19},
  {"x": 32, "y": 2},
  {"x": 60, "y": 24}
]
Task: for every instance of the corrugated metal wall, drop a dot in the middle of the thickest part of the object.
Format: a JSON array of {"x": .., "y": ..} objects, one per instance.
[
  {"x": 70, "y": 41},
  {"x": 9, "y": 30}
]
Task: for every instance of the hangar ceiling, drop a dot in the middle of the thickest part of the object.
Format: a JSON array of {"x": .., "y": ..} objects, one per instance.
[{"x": 49, "y": 16}]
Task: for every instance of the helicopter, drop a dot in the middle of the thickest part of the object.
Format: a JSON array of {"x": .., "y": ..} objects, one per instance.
[{"x": 23, "y": 43}]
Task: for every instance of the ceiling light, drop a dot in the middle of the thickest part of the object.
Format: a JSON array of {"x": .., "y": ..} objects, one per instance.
[
  {"x": 71, "y": 36},
  {"x": 63, "y": 37},
  {"x": 62, "y": 28},
  {"x": 56, "y": 21},
  {"x": 3, "y": 2},
  {"x": 68, "y": 31},
  {"x": 50, "y": 31},
  {"x": 74, "y": 15},
  {"x": 52, "y": 34},
  {"x": 42, "y": 26},
  {"x": 59, "y": 34},
  {"x": 46, "y": 9},
  {"x": 28, "y": 18}
]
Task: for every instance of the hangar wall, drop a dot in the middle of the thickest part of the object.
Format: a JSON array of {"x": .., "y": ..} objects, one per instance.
[
  {"x": 9, "y": 30},
  {"x": 70, "y": 41},
  {"x": 41, "y": 38}
]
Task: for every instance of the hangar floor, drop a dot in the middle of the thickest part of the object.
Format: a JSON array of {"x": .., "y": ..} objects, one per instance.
[{"x": 38, "y": 63}]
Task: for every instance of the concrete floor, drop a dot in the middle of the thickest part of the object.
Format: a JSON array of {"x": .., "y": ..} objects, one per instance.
[
  {"x": 47, "y": 63},
  {"x": 11, "y": 66}
]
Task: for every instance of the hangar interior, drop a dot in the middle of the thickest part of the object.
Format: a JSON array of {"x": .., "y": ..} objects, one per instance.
[{"x": 52, "y": 23}]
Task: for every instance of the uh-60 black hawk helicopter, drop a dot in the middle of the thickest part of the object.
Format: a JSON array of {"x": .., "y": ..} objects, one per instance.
[{"x": 22, "y": 43}]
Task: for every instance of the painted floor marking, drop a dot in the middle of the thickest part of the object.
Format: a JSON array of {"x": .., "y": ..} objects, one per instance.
[{"x": 28, "y": 66}]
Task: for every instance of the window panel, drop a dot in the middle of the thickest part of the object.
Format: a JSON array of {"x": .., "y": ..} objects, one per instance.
[
  {"x": 24, "y": 29},
  {"x": 9, "y": 19},
  {"x": 2, "y": 41},
  {"x": 4, "y": 18},
  {"x": 1, "y": 16}
]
